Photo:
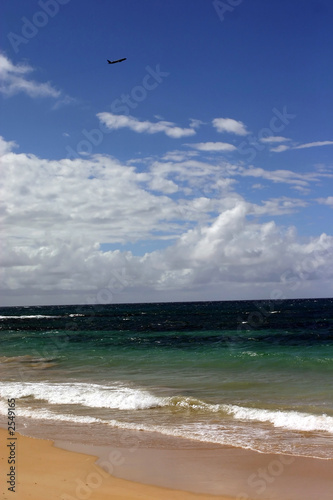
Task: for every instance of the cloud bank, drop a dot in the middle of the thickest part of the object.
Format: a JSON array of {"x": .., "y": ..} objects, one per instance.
[{"x": 76, "y": 231}]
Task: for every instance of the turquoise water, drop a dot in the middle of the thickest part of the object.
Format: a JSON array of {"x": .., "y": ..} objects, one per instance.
[{"x": 253, "y": 374}]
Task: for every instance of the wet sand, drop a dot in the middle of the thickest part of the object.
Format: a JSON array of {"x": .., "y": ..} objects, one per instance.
[
  {"x": 68, "y": 471},
  {"x": 219, "y": 470},
  {"x": 44, "y": 471}
]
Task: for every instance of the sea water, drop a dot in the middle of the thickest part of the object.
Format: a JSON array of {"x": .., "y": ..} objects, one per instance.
[{"x": 251, "y": 374}]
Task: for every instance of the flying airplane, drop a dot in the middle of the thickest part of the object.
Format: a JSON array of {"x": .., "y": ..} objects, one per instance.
[{"x": 119, "y": 60}]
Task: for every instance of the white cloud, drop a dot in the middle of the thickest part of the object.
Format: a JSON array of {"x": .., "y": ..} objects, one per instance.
[
  {"x": 232, "y": 249},
  {"x": 108, "y": 200},
  {"x": 213, "y": 146},
  {"x": 279, "y": 206},
  {"x": 280, "y": 149},
  {"x": 321, "y": 167},
  {"x": 274, "y": 138},
  {"x": 302, "y": 189},
  {"x": 6, "y": 146},
  {"x": 326, "y": 201},
  {"x": 314, "y": 144},
  {"x": 114, "y": 122},
  {"x": 64, "y": 101},
  {"x": 163, "y": 185},
  {"x": 230, "y": 126},
  {"x": 283, "y": 176},
  {"x": 13, "y": 80},
  {"x": 194, "y": 123},
  {"x": 55, "y": 215},
  {"x": 284, "y": 147},
  {"x": 178, "y": 155}
]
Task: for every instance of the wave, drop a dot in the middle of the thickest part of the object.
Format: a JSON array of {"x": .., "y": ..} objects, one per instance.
[
  {"x": 121, "y": 397},
  {"x": 291, "y": 420},
  {"x": 42, "y": 414},
  {"x": 207, "y": 433},
  {"x": 91, "y": 395},
  {"x": 39, "y": 316},
  {"x": 28, "y": 362},
  {"x": 29, "y": 316},
  {"x": 235, "y": 436}
]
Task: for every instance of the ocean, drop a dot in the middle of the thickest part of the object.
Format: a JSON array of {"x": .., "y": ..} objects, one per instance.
[{"x": 250, "y": 374}]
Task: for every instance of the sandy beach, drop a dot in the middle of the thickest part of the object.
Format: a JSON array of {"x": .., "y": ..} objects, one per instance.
[{"x": 43, "y": 470}]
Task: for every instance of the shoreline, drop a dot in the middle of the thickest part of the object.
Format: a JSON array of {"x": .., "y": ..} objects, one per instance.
[{"x": 82, "y": 471}]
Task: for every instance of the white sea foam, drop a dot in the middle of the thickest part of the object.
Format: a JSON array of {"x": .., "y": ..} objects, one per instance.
[
  {"x": 122, "y": 397},
  {"x": 209, "y": 433},
  {"x": 189, "y": 403},
  {"x": 42, "y": 414},
  {"x": 91, "y": 395},
  {"x": 251, "y": 353},
  {"x": 235, "y": 432},
  {"x": 255, "y": 438},
  {"x": 117, "y": 397},
  {"x": 291, "y": 420}
]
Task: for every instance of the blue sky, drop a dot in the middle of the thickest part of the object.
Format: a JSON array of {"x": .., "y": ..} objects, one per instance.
[{"x": 198, "y": 169}]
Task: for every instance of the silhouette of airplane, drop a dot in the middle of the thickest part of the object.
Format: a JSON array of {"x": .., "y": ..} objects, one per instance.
[{"x": 119, "y": 60}]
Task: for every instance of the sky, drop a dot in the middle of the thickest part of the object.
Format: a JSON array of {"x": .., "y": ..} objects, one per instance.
[{"x": 200, "y": 168}]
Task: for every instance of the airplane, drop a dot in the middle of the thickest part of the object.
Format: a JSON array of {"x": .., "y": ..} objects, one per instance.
[{"x": 119, "y": 60}]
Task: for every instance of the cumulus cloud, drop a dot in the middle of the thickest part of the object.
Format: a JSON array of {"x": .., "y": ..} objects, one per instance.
[
  {"x": 58, "y": 214},
  {"x": 114, "y": 122},
  {"x": 230, "y": 126},
  {"x": 13, "y": 80},
  {"x": 94, "y": 195},
  {"x": 232, "y": 249},
  {"x": 213, "y": 146},
  {"x": 6, "y": 146}
]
